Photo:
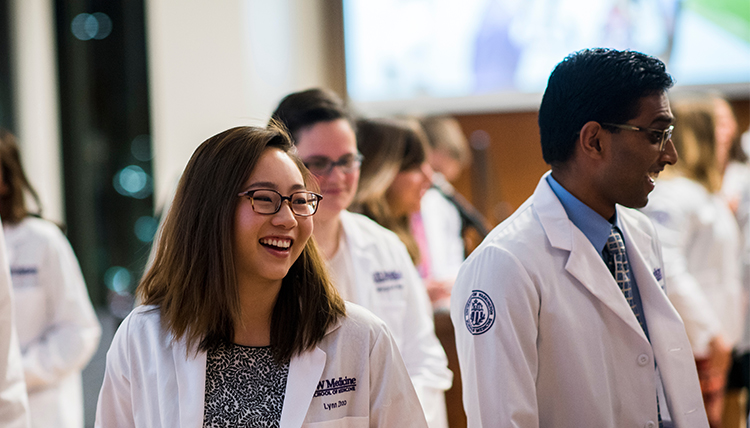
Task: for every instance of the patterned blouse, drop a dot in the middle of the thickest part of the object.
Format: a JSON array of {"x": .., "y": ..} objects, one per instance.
[{"x": 244, "y": 387}]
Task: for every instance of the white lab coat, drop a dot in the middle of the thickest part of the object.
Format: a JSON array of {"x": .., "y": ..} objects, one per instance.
[
  {"x": 564, "y": 349},
  {"x": 151, "y": 381},
  {"x": 14, "y": 405},
  {"x": 57, "y": 327},
  {"x": 736, "y": 190},
  {"x": 387, "y": 283},
  {"x": 442, "y": 225},
  {"x": 702, "y": 247}
]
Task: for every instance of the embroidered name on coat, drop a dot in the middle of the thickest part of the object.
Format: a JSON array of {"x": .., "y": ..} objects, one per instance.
[
  {"x": 23, "y": 270},
  {"x": 336, "y": 386},
  {"x": 385, "y": 276}
]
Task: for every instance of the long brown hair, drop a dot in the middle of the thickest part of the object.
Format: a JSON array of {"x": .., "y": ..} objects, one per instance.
[
  {"x": 389, "y": 146},
  {"x": 13, "y": 207},
  {"x": 694, "y": 139},
  {"x": 192, "y": 279}
]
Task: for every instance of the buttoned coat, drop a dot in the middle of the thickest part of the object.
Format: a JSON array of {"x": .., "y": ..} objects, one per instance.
[{"x": 545, "y": 337}]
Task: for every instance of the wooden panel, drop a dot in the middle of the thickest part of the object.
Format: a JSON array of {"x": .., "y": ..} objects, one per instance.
[{"x": 514, "y": 158}]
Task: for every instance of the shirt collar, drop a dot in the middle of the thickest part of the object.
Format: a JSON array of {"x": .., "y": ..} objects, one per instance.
[{"x": 595, "y": 227}]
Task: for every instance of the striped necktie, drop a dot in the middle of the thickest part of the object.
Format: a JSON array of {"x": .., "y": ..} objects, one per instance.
[{"x": 617, "y": 260}]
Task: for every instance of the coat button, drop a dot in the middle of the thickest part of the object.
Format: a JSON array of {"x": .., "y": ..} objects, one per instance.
[
  {"x": 643, "y": 359},
  {"x": 650, "y": 424}
]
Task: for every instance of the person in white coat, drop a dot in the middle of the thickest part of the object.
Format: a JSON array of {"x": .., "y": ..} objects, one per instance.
[
  {"x": 370, "y": 266},
  {"x": 14, "y": 403},
  {"x": 240, "y": 324},
  {"x": 545, "y": 332},
  {"x": 57, "y": 327},
  {"x": 702, "y": 248}
]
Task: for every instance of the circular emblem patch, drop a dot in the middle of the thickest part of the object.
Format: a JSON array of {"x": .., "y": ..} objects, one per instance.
[{"x": 479, "y": 312}]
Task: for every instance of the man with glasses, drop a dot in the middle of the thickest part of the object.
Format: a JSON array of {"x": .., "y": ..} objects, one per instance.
[{"x": 561, "y": 317}]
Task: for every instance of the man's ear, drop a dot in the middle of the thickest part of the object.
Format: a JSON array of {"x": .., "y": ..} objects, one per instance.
[{"x": 589, "y": 139}]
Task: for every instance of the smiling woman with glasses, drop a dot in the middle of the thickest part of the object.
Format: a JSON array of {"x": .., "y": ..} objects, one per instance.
[{"x": 240, "y": 321}]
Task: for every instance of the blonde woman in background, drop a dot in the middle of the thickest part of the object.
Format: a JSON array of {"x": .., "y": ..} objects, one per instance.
[
  {"x": 395, "y": 175},
  {"x": 701, "y": 248}
]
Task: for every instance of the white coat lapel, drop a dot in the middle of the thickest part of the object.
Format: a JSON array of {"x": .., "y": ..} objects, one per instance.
[
  {"x": 586, "y": 265},
  {"x": 304, "y": 374},
  {"x": 584, "y": 262},
  {"x": 190, "y": 376},
  {"x": 659, "y": 313}
]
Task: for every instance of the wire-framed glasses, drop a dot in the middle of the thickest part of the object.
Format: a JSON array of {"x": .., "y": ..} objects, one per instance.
[
  {"x": 321, "y": 165},
  {"x": 268, "y": 201},
  {"x": 658, "y": 136}
]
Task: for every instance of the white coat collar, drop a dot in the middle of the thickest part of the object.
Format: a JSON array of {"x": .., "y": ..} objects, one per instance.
[
  {"x": 349, "y": 222},
  {"x": 584, "y": 262}
]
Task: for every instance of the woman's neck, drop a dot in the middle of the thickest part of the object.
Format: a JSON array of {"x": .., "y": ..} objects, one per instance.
[
  {"x": 328, "y": 234},
  {"x": 256, "y": 302}
]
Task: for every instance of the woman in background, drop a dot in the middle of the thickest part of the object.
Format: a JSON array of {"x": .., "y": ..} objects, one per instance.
[
  {"x": 701, "y": 248},
  {"x": 240, "y": 324},
  {"x": 57, "y": 328},
  {"x": 736, "y": 191},
  {"x": 395, "y": 176},
  {"x": 369, "y": 264}
]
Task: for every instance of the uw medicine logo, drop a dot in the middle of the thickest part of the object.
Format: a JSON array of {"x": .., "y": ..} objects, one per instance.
[
  {"x": 479, "y": 312},
  {"x": 336, "y": 386}
]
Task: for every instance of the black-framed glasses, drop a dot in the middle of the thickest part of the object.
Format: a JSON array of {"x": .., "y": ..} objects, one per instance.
[
  {"x": 658, "y": 136},
  {"x": 268, "y": 201},
  {"x": 321, "y": 165}
]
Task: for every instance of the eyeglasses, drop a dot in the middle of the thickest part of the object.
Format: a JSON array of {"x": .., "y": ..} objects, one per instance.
[
  {"x": 658, "y": 136},
  {"x": 267, "y": 201},
  {"x": 321, "y": 165}
]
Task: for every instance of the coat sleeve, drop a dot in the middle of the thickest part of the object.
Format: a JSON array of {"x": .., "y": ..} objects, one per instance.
[
  {"x": 498, "y": 358},
  {"x": 73, "y": 333},
  {"x": 115, "y": 405},
  {"x": 393, "y": 401},
  {"x": 14, "y": 407}
]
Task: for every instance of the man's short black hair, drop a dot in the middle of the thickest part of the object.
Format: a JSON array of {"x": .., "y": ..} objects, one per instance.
[
  {"x": 300, "y": 110},
  {"x": 602, "y": 85}
]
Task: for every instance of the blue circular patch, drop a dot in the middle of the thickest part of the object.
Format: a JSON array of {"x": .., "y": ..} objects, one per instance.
[{"x": 479, "y": 312}]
